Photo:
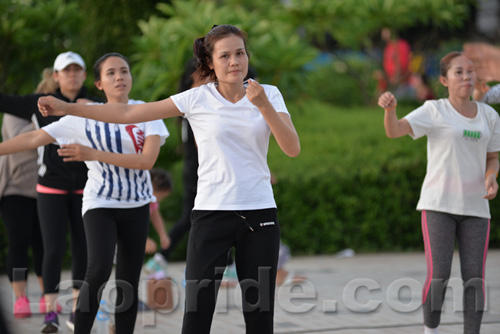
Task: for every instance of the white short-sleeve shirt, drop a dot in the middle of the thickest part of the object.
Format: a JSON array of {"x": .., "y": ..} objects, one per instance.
[
  {"x": 109, "y": 186},
  {"x": 456, "y": 156},
  {"x": 233, "y": 140}
]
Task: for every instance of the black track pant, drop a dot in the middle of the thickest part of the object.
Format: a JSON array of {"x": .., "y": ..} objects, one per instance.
[
  {"x": 23, "y": 231},
  {"x": 255, "y": 236},
  {"x": 54, "y": 212},
  {"x": 108, "y": 229}
]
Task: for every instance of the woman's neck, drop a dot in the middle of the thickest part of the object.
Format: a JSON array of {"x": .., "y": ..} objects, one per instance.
[
  {"x": 464, "y": 106},
  {"x": 70, "y": 94},
  {"x": 117, "y": 99},
  {"x": 232, "y": 92}
]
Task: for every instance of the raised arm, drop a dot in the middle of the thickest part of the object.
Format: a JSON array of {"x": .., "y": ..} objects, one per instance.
[
  {"x": 145, "y": 160},
  {"x": 480, "y": 89},
  {"x": 110, "y": 112},
  {"x": 394, "y": 127},
  {"x": 280, "y": 123},
  {"x": 20, "y": 106},
  {"x": 26, "y": 141}
]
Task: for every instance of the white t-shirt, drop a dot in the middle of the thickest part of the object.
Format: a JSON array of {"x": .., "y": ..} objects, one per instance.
[
  {"x": 109, "y": 186},
  {"x": 456, "y": 156},
  {"x": 233, "y": 140}
]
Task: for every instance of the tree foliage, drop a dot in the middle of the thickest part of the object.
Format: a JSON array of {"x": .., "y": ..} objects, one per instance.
[
  {"x": 277, "y": 51},
  {"x": 354, "y": 24},
  {"x": 112, "y": 25},
  {"x": 32, "y": 33}
]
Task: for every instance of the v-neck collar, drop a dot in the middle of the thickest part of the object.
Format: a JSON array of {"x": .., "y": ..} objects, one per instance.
[{"x": 218, "y": 95}]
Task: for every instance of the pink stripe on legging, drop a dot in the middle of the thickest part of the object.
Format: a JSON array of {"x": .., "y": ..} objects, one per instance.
[
  {"x": 54, "y": 191},
  {"x": 487, "y": 241},
  {"x": 428, "y": 256}
]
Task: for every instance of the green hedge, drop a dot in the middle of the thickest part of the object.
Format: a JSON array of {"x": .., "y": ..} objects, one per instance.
[{"x": 351, "y": 186}]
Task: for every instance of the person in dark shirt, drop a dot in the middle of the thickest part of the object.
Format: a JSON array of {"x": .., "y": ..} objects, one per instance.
[{"x": 60, "y": 186}]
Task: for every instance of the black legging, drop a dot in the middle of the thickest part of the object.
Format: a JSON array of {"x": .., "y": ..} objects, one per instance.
[
  {"x": 23, "y": 231},
  {"x": 54, "y": 211},
  {"x": 106, "y": 230}
]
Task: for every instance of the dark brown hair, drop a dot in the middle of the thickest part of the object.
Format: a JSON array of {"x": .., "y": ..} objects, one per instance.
[
  {"x": 445, "y": 62},
  {"x": 98, "y": 64},
  {"x": 161, "y": 179},
  {"x": 204, "y": 47}
]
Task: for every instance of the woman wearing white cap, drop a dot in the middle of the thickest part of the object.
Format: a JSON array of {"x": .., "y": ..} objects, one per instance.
[
  {"x": 60, "y": 185},
  {"x": 117, "y": 193}
]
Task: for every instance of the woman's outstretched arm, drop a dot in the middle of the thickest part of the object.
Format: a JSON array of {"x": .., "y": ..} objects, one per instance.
[
  {"x": 110, "y": 112},
  {"x": 26, "y": 141}
]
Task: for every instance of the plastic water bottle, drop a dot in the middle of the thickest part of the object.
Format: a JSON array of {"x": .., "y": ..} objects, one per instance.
[{"x": 102, "y": 319}]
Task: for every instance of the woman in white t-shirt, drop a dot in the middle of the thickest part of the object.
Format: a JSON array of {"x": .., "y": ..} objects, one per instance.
[
  {"x": 463, "y": 140},
  {"x": 232, "y": 121},
  {"x": 116, "y": 196}
]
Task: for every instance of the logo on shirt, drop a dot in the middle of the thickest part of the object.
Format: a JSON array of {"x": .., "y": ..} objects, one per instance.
[
  {"x": 474, "y": 136},
  {"x": 137, "y": 136},
  {"x": 266, "y": 224}
]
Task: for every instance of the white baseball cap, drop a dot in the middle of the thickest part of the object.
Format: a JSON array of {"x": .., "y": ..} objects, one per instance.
[{"x": 68, "y": 58}]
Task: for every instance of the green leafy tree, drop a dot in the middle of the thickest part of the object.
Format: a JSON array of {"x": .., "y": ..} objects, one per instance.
[
  {"x": 32, "y": 33},
  {"x": 277, "y": 51},
  {"x": 111, "y": 25},
  {"x": 335, "y": 25},
  {"x": 355, "y": 24}
]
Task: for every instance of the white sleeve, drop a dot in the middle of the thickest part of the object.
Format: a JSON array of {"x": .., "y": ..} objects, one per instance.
[
  {"x": 277, "y": 100},
  {"x": 494, "y": 125},
  {"x": 184, "y": 101},
  {"x": 492, "y": 96},
  {"x": 157, "y": 128},
  {"x": 65, "y": 130},
  {"x": 420, "y": 120}
]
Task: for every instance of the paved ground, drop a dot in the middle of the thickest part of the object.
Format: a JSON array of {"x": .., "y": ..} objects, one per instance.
[{"x": 364, "y": 294}]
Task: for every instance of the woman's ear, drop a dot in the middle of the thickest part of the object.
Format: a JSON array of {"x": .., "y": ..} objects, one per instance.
[
  {"x": 443, "y": 80},
  {"x": 98, "y": 84},
  {"x": 210, "y": 63}
]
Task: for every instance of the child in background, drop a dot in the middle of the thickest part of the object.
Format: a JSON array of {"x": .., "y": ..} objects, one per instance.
[{"x": 162, "y": 187}]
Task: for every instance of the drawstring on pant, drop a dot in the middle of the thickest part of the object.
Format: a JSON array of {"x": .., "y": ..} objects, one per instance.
[{"x": 244, "y": 219}]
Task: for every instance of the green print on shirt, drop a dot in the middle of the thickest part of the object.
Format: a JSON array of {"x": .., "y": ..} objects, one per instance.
[{"x": 472, "y": 134}]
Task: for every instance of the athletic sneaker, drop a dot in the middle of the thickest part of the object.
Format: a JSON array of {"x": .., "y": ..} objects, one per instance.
[
  {"x": 156, "y": 264},
  {"x": 51, "y": 323},
  {"x": 71, "y": 321},
  {"x": 22, "y": 307},
  {"x": 43, "y": 306}
]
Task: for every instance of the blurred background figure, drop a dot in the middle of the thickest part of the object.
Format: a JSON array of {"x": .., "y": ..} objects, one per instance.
[
  {"x": 18, "y": 205},
  {"x": 395, "y": 63},
  {"x": 486, "y": 59}
]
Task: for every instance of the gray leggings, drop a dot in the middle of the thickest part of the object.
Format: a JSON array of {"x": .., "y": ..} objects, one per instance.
[{"x": 472, "y": 234}]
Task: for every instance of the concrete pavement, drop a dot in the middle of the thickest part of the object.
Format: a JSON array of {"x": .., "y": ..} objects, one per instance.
[{"x": 364, "y": 294}]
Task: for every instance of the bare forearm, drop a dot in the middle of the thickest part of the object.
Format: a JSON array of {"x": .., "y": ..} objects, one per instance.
[
  {"x": 26, "y": 141},
  {"x": 158, "y": 223},
  {"x": 492, "y": 163},
  {"x": 283, "y": 130},
  {"x": 131, "y": 161},
  {"x": 394, "y": 127}
]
